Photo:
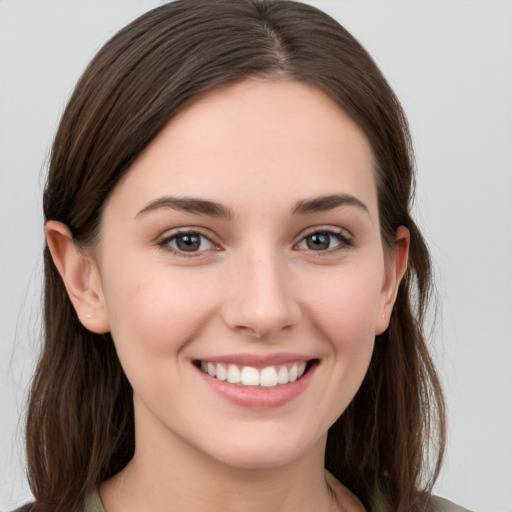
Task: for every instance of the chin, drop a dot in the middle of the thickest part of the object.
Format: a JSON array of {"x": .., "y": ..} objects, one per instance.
[
  {"x": 248, "y": 459},
  {"x": 267, "y": 450}
]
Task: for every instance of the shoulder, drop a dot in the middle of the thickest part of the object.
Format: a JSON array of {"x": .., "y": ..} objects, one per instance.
[
  {"x": 94, "y": 504},
  {"x": 442, "y": 505},
  {"x": 435, "y": 504}
]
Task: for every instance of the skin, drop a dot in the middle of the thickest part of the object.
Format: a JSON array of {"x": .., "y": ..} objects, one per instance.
[{"x": 255, "y": 286}]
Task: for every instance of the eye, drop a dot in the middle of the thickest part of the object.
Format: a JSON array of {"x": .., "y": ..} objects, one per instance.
[
  {"x": 187, "y": 242},
  {"x": 323, "y": 241}
]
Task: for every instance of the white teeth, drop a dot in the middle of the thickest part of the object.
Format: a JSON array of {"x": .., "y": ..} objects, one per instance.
[
  {"x": 233, "y": 374},
  {"x": 282, "y": 375},
  {"x": 248, "y": 376},
  {"x": 221, "y": 372},
  {"x": 268, "y": 377}
]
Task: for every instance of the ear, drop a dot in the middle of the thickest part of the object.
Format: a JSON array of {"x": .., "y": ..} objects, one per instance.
[
  {"x": 80, "y": 276},
  {"x": 395, "y": 267}
]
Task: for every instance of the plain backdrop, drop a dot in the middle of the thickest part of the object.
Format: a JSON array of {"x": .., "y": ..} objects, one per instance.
[{"x": 450, "y": 63}]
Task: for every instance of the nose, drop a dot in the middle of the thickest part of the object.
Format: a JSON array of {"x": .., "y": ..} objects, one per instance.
[{"x": 260, "y": 301}]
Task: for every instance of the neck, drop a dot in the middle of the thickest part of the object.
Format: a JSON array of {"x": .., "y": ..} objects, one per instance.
[
  {"x": 169, "y": 473},
  {"x": 177, "y": 477}
]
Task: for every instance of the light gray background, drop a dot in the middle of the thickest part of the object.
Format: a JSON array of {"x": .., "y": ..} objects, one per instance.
[{"x": 450, "y": 63}]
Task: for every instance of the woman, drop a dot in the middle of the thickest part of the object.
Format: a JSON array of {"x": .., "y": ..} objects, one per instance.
[{"x": 235, "y": 289}]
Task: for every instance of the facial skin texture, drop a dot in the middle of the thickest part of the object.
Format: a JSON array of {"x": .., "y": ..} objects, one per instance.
[{"x": 258, "y": 148}]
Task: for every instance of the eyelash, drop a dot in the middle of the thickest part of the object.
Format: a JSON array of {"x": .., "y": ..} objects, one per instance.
[
  {"x": 344, "y": 242},
  {"x": 167, "y": 240}
]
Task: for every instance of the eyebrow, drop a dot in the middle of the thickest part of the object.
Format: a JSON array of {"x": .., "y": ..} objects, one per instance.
[
  {"x": 188, "y": 204},
  {"x": 214, "y": 209},
  {"x": 325, "y": 203}
]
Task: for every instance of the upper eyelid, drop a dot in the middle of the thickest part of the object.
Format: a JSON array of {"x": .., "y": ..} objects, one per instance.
[
  {"x": 325, "y": 229},
  {"x": 164, "y": 242},
  {"x": 345, "y": 239},
  {"x": 172, "y": 233}
]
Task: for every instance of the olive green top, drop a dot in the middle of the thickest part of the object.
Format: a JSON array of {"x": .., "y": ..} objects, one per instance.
[{"x": 94, "y": 504}]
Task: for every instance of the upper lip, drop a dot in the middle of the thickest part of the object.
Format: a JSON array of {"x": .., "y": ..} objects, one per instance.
[{"x": 256, "y": 360}]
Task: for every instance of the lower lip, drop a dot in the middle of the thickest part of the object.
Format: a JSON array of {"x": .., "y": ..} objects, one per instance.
[{"x": 258, "y": 397}]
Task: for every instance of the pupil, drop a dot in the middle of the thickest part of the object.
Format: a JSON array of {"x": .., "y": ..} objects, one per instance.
[
  {"x": 318, "y": 241},
  {"x": 188, "y": 242}
]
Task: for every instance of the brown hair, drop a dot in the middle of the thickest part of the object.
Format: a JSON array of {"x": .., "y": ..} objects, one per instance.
[{"x": 80, "y": 427}]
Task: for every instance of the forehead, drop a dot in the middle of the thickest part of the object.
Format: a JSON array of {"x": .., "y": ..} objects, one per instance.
[{"x": 257, "y": 140}]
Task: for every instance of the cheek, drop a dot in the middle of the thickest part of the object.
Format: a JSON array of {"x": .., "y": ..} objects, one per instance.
[
  {"x": 345, "y": 306},
  {"x": 152, "y": 320},
  {"x": 345, "y": 314},
  {"x": 158, "y": 313}
]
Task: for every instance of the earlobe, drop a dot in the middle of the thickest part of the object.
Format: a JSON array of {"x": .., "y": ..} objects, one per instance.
[
  {"x": 396, "y": 266},
  {"x": 80, "y": 276}
]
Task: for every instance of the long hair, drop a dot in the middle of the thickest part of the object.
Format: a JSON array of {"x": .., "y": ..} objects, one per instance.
[{"x": 80, "y": 425}]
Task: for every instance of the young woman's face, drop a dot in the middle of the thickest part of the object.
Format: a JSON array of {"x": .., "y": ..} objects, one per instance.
[{"x": 244, "y": 245}]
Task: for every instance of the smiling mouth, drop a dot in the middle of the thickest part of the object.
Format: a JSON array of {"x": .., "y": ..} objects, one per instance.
[{"x": 249, "y": 376}]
